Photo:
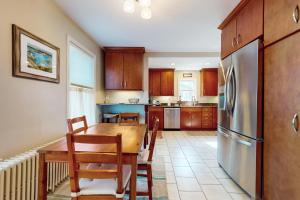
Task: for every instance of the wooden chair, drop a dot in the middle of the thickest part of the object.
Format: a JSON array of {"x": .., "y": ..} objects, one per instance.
[
  {"x": 129, "y": 119},
  {"x": 108, "y": 182},
  {"x": 76, "y": 120},
  {"x": 145, "y": 160}
]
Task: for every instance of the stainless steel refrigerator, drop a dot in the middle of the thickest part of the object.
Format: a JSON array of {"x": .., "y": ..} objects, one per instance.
[{"x": 240, "y": 117}]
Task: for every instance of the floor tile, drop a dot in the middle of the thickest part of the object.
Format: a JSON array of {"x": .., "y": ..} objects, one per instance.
[
  {"x": 239, "y": 196},
  {"x": 230, "y": 186},
  {"x": 173, "y": 192},
  {"x": 219, "y": 172},
  {"x": 170, "y": 177},
  {"x": 191, "y": 195},
  {"x": 207, "y": 178},
  {"x": 215, "y": 192},
  {"x": 200, "y": 168},
  {"x": 211, "y": 163},
  {"x": 188, "y": 184},
  {"x": 183, "y": 172}
]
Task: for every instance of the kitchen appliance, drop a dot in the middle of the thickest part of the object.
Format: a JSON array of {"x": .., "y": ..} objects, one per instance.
[
  {"x": 172, "y": 118},
  {"x": 240, "y": 117},
  {"x": 155, "y": 102}
]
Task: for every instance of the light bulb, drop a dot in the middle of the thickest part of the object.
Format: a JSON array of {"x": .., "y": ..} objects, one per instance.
[
  {"x": 146, "y": 13},
  {"x": 145, "y": 3},
  {"x": 129, "y": 6}
]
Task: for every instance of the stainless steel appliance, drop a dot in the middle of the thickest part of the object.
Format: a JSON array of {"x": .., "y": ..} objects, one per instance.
[
  {"x": 171, "y": 118},
  {"x": 239, "y": 117}
]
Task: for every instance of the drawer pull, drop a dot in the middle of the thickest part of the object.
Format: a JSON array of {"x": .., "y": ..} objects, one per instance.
[
  {"x": 233, "y": 43},
  {"x": 295, "y": 123},
  {"x": 296, "y": 14}
]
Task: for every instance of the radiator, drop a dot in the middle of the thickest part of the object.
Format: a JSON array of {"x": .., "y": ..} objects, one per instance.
[{"x": 19, "y": 176}]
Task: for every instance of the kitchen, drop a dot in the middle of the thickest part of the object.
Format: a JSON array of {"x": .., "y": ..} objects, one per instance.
[{"x": 200, "y": 96}]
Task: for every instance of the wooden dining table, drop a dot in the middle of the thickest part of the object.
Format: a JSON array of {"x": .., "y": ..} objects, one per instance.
[{"x": 133, "y": 138}]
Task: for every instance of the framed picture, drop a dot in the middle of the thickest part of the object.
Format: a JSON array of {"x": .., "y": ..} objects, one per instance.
[{"x": 33, "y": 57}]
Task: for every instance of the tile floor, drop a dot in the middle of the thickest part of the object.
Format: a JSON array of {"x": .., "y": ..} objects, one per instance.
[{"x": 192, "y": 171}]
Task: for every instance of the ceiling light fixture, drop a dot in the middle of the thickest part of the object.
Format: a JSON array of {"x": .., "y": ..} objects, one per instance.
[{"x": 129, "y": 7}]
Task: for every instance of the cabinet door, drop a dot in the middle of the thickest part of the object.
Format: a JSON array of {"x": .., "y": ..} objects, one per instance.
[
  {"x": 113, "y": 71},
  {"x": 156, "y": 112},
  {"x": 281, "y": 103},
  {"x": 278, "y": 19},
  {"x": 250, "y": 22},
  {"x": 209, "y": 82},
  {"x": 167, "y": 83},
  {"x": 154, "y": 83},
  {"x": 133, "y": 71},
  {"x": 197, "y": 118},
  {"x": 228, "y": 38},
  {"x": 185, "y": 118}
]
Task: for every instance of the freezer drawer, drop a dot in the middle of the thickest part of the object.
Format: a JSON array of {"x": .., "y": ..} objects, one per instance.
[
  {"x": 224, "y": 141},
  {"x": 245, "y": 167}
]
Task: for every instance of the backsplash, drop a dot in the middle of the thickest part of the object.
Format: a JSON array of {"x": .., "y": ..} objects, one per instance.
[{"x": 123, "y": 96}]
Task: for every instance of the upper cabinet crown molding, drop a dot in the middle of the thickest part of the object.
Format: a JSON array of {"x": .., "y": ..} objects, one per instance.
[
  {"x": 124, "y": 68},
  {"x": 125, "y": 49},
  {"x": 243, "y": 25}
]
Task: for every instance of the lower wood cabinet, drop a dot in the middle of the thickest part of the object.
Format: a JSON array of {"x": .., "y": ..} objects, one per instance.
[
  {"x": 156, "y": 112},
  {"x": 197, "y": 118}
]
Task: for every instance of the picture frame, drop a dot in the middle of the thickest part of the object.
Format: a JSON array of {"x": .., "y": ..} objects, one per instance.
[{"x": 33, "y": 57}]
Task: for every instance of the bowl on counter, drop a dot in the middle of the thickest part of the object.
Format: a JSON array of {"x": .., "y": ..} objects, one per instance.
[{"x": 134, "y": 100}]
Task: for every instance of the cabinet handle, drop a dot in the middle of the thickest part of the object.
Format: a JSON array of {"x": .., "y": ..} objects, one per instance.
[
  {"x": 125, "y": 84},
  {"x": 233, "y": 43},
  {"x": 296, "y": 14},
  {"x": 239, "y": 38},
  {"x": 295, "y": 123}
]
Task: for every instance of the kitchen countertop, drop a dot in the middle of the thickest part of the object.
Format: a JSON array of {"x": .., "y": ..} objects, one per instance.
[{"x": 163, "y": 105}]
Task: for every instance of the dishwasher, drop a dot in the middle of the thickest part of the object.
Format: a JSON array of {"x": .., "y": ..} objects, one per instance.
[{"x": 171, "y": 118}]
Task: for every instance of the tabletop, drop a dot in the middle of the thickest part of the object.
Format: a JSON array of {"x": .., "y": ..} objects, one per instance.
[{"x": 132, "y": 139}]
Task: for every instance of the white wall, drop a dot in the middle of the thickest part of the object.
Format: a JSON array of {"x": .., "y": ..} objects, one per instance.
[{"x": 34, "y": 112}]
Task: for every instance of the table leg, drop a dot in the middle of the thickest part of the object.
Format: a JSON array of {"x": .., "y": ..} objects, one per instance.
[
  {"x": 42, "y": 187},
  {"x": 146, "y": 140},
  {"x": 133, "y": 178}
]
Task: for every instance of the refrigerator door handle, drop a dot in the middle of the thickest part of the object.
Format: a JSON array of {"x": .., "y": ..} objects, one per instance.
[
  {"x": 228, "y": 91},
  {"x": 224, "y": 134},
  {"x": 244, "y": 142}
]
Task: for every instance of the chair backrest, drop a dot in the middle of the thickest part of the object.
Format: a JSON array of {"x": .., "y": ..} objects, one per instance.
[
  {"x": 129, "y": 118},
  {"x": 153, "y": 137},
  {"x": 76, "y": 158},
  {"x": 76, "y": 120}
]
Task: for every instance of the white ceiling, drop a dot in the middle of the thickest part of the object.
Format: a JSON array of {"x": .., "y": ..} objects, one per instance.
[
  {"x": 183, "y": 63},
  {"x": 176, "y": 25}
]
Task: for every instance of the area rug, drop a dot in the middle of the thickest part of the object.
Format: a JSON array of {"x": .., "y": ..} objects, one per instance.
[{"x": 159, "y": 186}]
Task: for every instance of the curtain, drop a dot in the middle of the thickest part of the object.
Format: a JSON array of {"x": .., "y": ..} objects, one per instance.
[{"x": 82, "y": 101}]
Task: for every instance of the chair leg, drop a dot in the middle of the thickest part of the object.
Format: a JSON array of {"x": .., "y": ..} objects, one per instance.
[{"x": 150, "y": 181}]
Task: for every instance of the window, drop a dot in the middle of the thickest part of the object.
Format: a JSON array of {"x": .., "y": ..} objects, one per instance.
[
  {"x": 81, "y": 85},
  {"x": 187, "y": 89}
]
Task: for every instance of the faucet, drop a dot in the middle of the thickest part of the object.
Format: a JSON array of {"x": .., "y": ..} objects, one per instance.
[{"x": 194, "y": 100}]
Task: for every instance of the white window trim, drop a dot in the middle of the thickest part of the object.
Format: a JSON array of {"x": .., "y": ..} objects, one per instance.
[
  {"x": 188, "y": 79},
  {"x": 71, "y": 40}
]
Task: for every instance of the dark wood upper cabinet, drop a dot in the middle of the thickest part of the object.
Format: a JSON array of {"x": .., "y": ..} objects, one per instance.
[
  {"x": 228, "y": 38},
  {"x": 167, "y": 82},
  {"x": 113, "y": 70},
  {"x": 249, "y": 22},
  {"x": 133, "y": 72},
  {"x": 243, "y": 25},
  {"x": 281, "y": 104},
  {"x": 161, "y": 82},
  {"x": 279, "y": 19},
  {"x": 209, "y": 82},
  {"x": 124, "y": 68}
]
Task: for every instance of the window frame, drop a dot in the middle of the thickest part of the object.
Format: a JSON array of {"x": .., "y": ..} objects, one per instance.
[
  {"x": 194, "y": 90},
  {"x": 72, "y": 41}
]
